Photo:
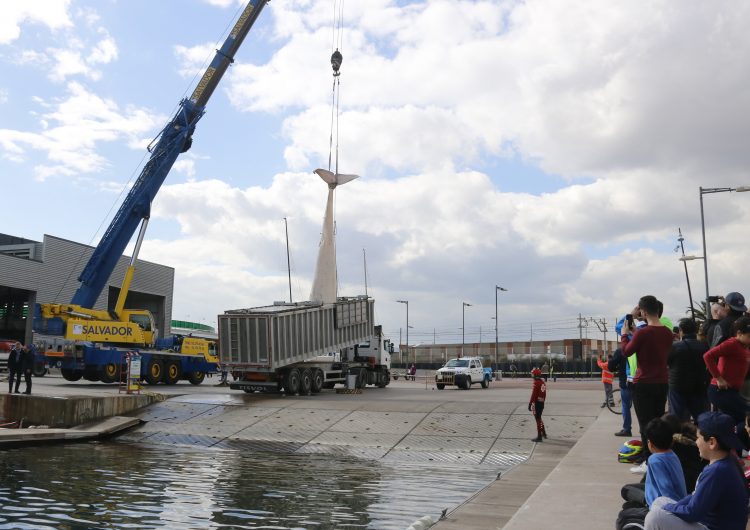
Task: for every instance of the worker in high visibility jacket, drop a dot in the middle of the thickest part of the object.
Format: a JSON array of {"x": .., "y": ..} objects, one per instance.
[{"x": 607, "y": 378}]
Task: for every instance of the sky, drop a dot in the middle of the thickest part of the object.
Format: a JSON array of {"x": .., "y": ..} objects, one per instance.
[{"x": 551, "y": 148}]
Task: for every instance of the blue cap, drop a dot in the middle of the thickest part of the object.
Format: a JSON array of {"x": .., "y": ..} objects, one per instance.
[
  {"x": 736, "y": 301},
  {"x": 720, "y": 426}
]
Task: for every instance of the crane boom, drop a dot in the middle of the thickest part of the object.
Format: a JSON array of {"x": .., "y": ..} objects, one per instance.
[{"x": 175, "y": 138}]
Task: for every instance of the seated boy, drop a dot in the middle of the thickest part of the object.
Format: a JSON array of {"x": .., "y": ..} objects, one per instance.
[
  {"x": 720, "y": 498},
  {"x": 664, "y": 476}
]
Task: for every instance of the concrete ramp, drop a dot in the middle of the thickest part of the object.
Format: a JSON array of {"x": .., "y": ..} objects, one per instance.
[{"x": 90, "y": 431}]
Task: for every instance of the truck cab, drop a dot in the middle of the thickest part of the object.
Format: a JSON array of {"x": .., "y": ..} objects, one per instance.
[{"x": 462, "y": 372}]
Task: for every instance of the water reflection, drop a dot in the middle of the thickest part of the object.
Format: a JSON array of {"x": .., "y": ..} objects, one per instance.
[{"x": 119, "y": 485}]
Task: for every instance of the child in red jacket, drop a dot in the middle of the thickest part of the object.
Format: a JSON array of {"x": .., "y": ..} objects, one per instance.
[{"x": 536, "y": 403}]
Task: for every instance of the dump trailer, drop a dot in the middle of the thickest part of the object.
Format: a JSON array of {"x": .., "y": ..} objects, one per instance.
[{"x": 303, "y": 347}]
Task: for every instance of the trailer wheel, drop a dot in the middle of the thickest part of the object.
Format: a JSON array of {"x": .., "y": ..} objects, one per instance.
[
  {"x": 196, "y": 378},
  {"x": 109, "y": 373},
  {"x": 154, "y": 372},
  {"x": 71, "y": 375},
  {"x": 305, "y": 382},
  {"x": 317, "y": 381},
  {"x": 440, "y": 386},
  {"x": 172, "y": 372},
  {"x": 291, "y": 381},
  {"x": 39, "y": 370}
]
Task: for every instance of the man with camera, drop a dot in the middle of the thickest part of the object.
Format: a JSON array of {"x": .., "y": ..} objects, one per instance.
[
  {"x": 734, "y": 303},
  {"x": 652, "y": 343}
]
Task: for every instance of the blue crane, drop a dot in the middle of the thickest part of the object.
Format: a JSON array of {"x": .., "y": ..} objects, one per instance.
[{"x": 175, "y": 138}]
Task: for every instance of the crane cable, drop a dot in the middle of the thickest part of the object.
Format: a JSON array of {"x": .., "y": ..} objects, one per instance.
[{"x": 337, "y": 58}]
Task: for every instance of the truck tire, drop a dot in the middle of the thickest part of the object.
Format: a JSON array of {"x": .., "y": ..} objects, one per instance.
[
  {"x": 71, "y": 375},
  {"x": 467, "y": 383},
  {"x": 305, "y": 382},
  {"x": 39, "y": 370},
  {"x": 196, "y": 378},
  {"x": 109, "y": 373},
  {"x": 172, "y": 372},
  {"x": 485, "y": 382},
  {"x": 440, "y": 386},
  {"x": 154, "y": 372},
  {"x": 291, "y": 382},
  {"x": 317, "y": 381}
]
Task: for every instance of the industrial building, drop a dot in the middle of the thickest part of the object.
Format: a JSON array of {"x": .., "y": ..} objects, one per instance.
[{"x": 47, "y": 272}]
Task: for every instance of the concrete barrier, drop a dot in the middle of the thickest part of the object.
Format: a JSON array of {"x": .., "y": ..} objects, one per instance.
[{"x": 69, "y": 411}]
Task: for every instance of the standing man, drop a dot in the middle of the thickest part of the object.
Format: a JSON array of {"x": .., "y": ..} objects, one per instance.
[
  {"x": 14, "y": 370},
  {"x": 688, "y": 378},
  {"x": 27, "y": 367},
  {"x": 653, "y": 343},
  {"x": 619, "y": 364}
]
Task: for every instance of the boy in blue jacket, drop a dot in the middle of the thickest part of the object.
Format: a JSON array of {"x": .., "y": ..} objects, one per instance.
[{"x": 720, "y": 498}]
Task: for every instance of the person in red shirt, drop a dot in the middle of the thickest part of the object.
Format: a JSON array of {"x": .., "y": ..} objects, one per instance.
[
  {"x": 536, "y": 403},
  {"x": 728, "y": 364},
  {"x": 653, "y": 343}
]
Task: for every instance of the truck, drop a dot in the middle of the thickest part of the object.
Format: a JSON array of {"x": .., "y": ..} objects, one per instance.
[
  {"x": 96, "y": 340},
  {"x": 463, "y": 372},
  {"x": 304, "y": 347}
]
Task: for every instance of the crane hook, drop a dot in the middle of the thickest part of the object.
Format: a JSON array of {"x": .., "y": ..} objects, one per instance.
[{"x": 336, "y": 60}]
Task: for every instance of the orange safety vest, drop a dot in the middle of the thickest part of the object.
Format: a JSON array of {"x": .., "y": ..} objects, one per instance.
[{"x": 607, "y": 376}]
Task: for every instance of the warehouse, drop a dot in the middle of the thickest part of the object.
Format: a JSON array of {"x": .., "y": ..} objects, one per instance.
[{"x": 34, "y": 272}]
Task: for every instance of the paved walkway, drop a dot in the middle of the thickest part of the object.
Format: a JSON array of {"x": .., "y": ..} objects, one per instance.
[{"x": 559, "y": 487}]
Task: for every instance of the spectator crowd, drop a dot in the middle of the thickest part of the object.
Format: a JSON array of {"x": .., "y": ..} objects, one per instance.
[{"x": 685, "y": 385}]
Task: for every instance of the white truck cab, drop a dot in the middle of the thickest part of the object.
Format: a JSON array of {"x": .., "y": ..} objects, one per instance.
[{"x": 462, "y": 372}]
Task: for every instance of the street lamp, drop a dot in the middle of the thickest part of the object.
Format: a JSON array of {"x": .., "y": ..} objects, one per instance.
[
  {"x": 497, "y": 288},
  {"x": 463, "y": 326},
  {"x": 707, "y": 191},
  {"x": 407, "y": 328},
  {"x": 687, "y": 277}
]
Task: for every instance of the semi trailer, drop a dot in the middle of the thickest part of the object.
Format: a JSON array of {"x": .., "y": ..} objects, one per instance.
[{"x": 304, "y": 347}]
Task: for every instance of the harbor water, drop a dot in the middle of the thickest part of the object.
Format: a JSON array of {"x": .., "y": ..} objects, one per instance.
[{"x": 133, "y": 485}]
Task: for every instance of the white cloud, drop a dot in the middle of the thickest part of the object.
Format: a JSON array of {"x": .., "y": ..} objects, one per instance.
[
  {"x": 194, "y": 59},
  {"x": 51, "y": 13},
  {"x": 71, "y": 130}
]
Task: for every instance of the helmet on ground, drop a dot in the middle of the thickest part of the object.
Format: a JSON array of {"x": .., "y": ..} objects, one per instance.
[
  {"x": 536, "y": 372},
  {"x": 630, "y": 451}
]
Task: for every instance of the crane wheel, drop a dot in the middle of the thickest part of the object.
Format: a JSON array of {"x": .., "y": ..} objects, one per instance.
[
  {"x": 154, "y": 372},
  {"x": 71, "y": 375},
  {"x": 196, "y": 378},
  {"x": 172, "y": 372},
  {"x": 109, "y": 373}
]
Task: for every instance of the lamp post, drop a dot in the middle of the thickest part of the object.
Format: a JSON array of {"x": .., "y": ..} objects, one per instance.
[
  {"x": 687, "y": 277},
  {"x": 707, "y": 191},
  {"x": 407, "y": 328},
  {"x": 463, "y": 326},
  {"x": 497, "y": 288}
]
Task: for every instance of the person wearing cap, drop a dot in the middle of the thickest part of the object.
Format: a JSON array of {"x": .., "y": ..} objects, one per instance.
[
  {"x": 719, "y": 501},
  {"x": 734, "y": 303},
  {"x": 536, "y": 403},
  {"x": 728, "y": 364}
]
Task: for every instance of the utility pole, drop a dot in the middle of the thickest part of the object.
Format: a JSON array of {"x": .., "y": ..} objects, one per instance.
[{"x": 602, "y": 325}]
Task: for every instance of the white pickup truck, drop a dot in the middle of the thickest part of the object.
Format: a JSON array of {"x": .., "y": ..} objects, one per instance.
[{"x": 463, "y": 372}]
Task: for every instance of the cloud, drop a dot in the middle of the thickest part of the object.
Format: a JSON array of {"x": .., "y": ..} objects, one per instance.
[
  {"x": 72, "y": 128},
  {"x": 51, "y": 13}
]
